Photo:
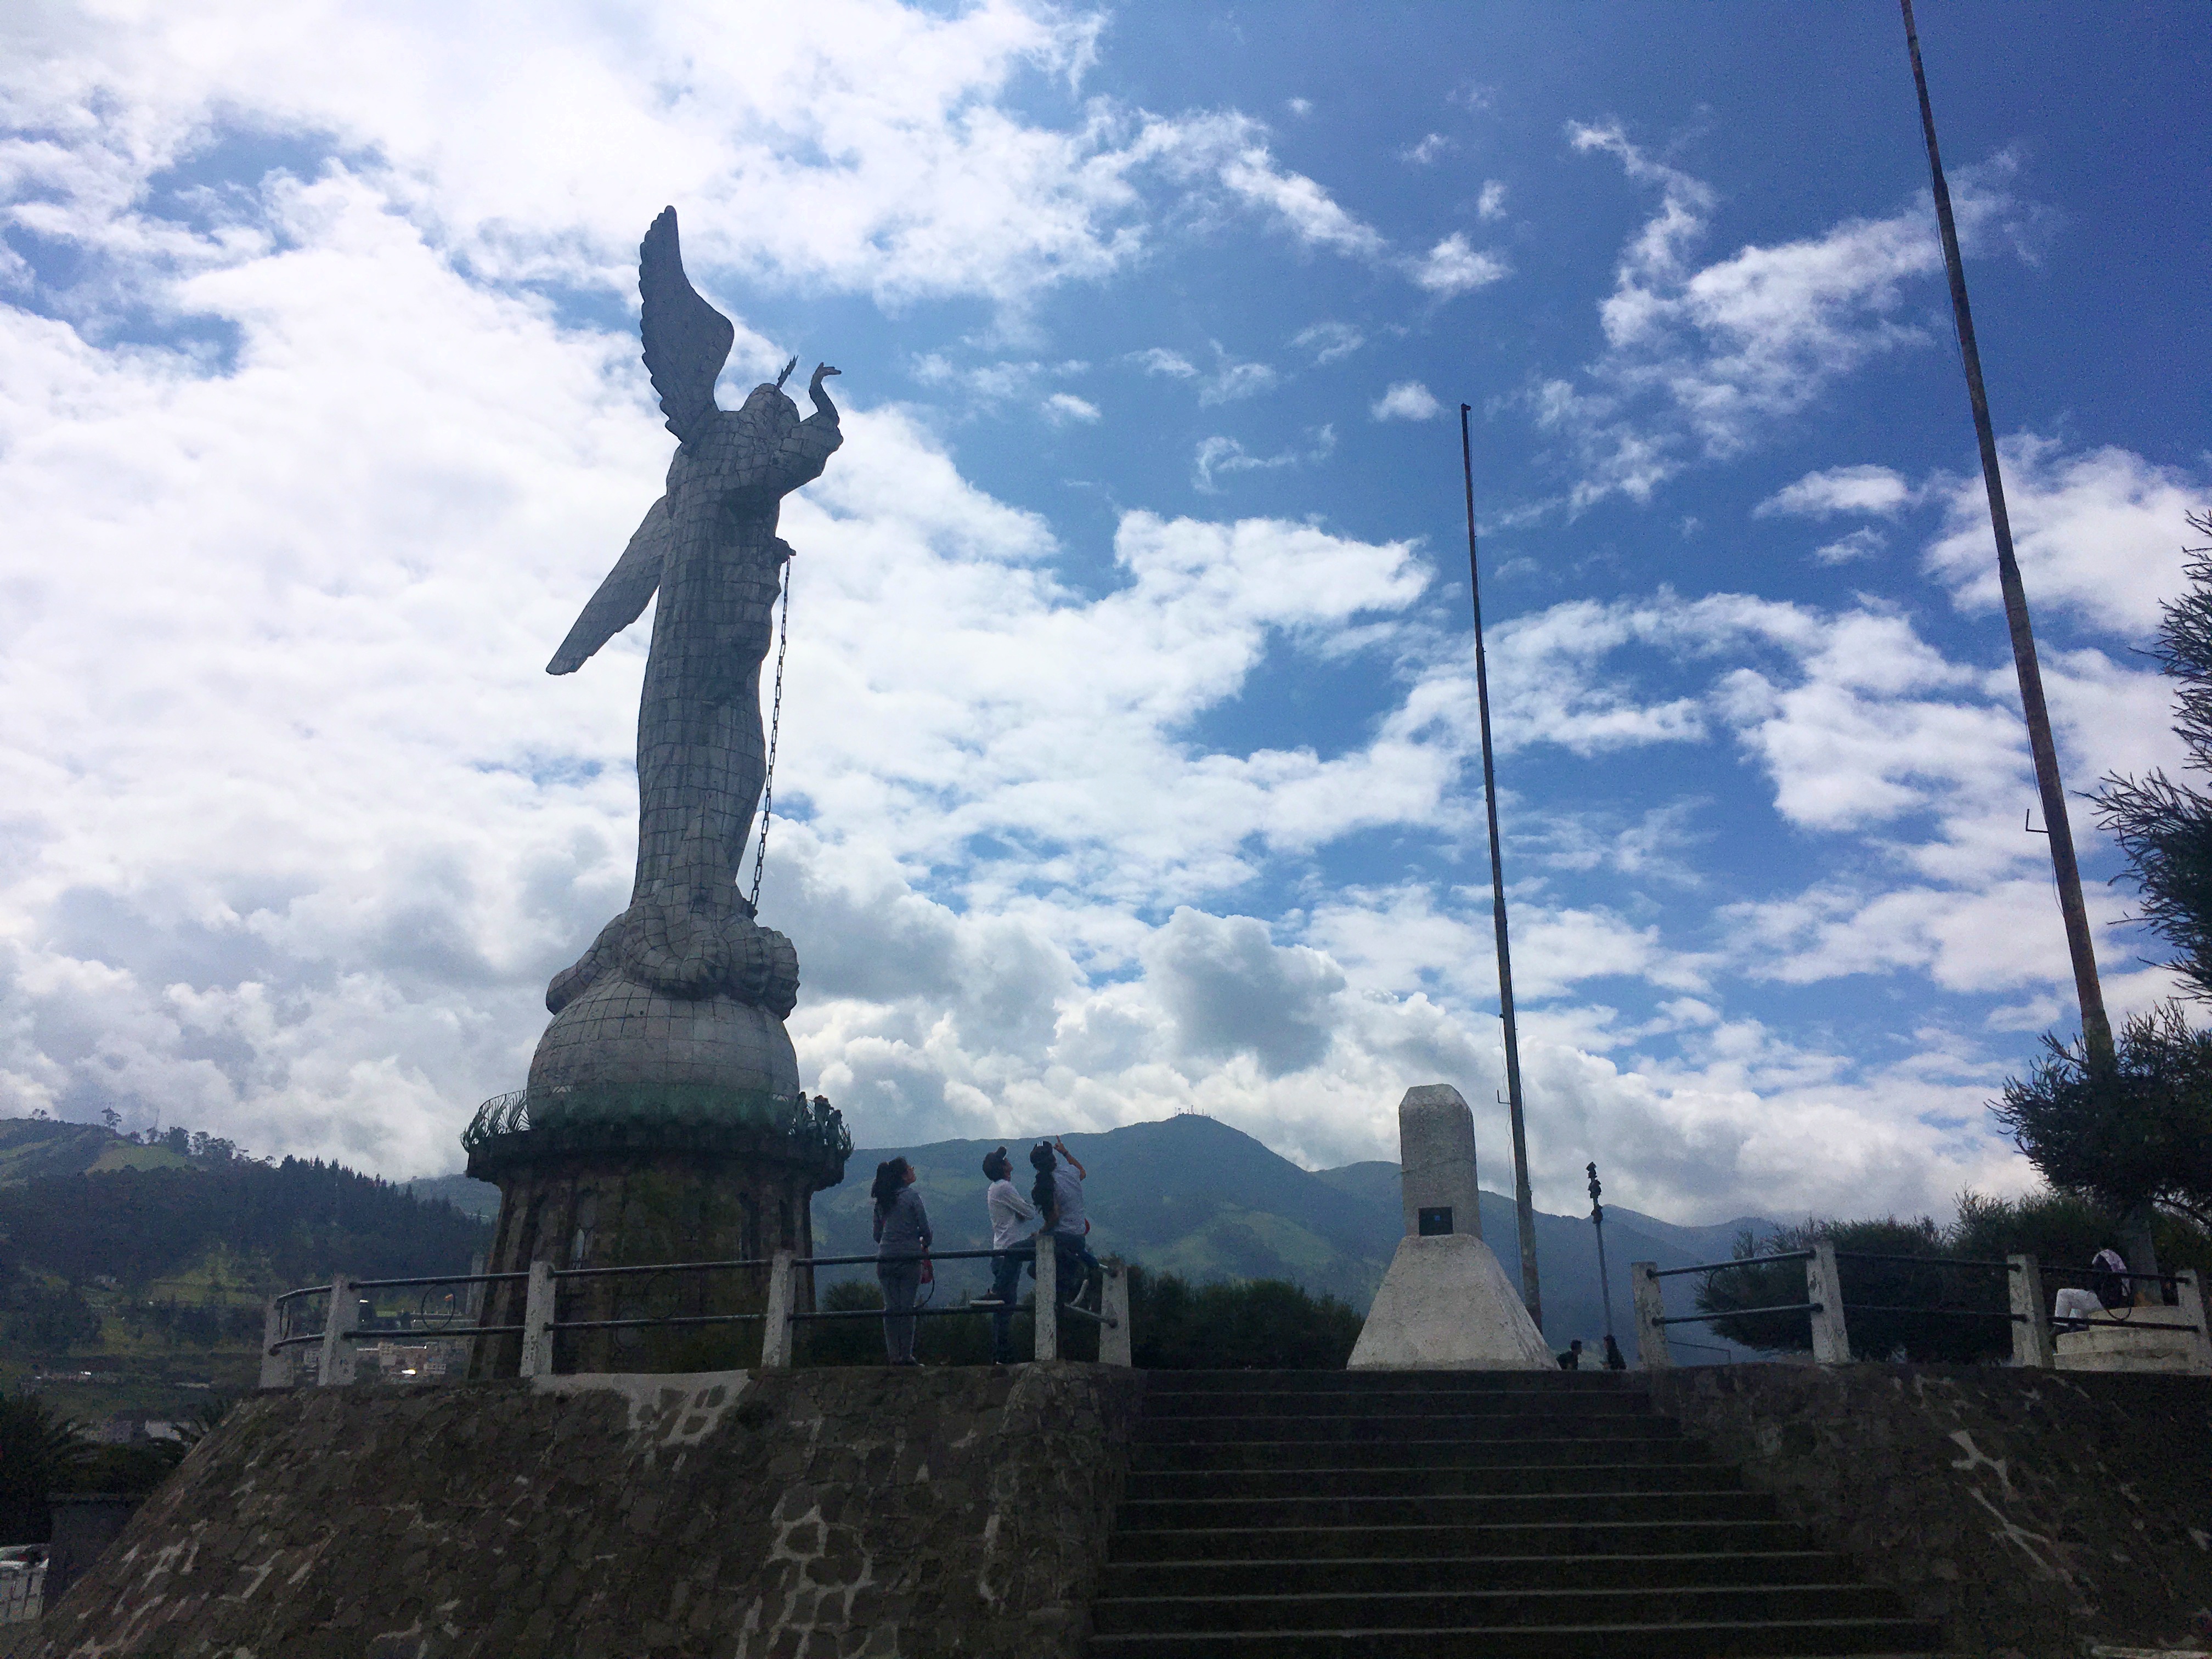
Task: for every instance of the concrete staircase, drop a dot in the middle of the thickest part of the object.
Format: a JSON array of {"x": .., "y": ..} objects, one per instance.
[{"x": 1324, "y": 1515}]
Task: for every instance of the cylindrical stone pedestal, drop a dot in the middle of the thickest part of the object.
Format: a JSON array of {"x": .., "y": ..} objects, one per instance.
[
  {"x": 631, "y": 1207},
  {"x": 655, "y": 1130}
]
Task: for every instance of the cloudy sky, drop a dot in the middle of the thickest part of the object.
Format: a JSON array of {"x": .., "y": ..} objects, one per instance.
[{"x": 1129, "y": 740}]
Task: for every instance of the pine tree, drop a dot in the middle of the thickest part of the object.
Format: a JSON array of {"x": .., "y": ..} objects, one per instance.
[
  {"x": 2142, "y": 1136},
  {"x": 2164, "y": 827}
]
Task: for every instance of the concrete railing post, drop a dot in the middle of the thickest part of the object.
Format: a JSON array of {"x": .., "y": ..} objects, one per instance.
[
  {"x": 1650, "y": 1335},
  {"x": 538, "y": 1322},
  {"x": 338, "y": 1351},
  {"x": 775, "y": 1328},
  {"x": 2188, "y": 1302},
  {"x": 474, "y": 1302},
  {"x": 1824, "y": 1289},
  {"x": 1114, "y": 1336},
  {"x": 1047, "y": 1299},
  {"x": 2030, "y": 1324},
  {"x": 276, "y": 1361}
]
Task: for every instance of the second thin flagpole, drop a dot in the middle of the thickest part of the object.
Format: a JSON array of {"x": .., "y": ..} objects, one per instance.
[{"x": 1524, "y": 1207}]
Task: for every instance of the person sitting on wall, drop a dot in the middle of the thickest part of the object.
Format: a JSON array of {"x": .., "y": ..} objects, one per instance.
[
  {"x": 1007, "y": 1211},
  {"x": 1571, "y": 1360},
  {"x": 2074, "y": 1307},
  {"x": 1614, "y": 1359},
  {"x": 902, "y": 1241},
  {"x": 1058, "y": 1195}
]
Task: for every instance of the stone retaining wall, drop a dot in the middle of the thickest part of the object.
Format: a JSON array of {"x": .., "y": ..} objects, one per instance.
[
  {"x": 2034, "y": 1512},
  {"x": 780, "y": 1514}
]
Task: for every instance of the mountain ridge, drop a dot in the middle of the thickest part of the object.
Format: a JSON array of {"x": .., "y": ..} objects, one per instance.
[
  {"x": 1334, "y": 1232},
  {"x": 1186, "y": 1194}
]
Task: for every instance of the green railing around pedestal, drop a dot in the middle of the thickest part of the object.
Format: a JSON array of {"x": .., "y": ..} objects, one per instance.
[{"x": 690, "y": 1117}]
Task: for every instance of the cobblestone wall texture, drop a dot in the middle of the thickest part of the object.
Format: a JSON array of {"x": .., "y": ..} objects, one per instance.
[
  {"x": 2034, "y": 1512},
  {"x": 787, "y": 1515}
]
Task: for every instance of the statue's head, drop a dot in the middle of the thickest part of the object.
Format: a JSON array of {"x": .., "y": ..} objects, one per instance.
[{"x": 769, "y": 411}]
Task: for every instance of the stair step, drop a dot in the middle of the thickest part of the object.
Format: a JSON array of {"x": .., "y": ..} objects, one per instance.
[
  {"x": 1459, "y": 1515},
  {"x": 1161, "y": 1455},
  {"x": 1422, "y": 1402},
  {"x": 1498, "y": 1426},
  {"x": 1498, "y": 1609},
  {"x": 1339, "y": 1543},
  {"x": 1728, "y": 1639},
  {"x": 1418, "y": 1480},
  {"x": 1146, "y": 1514},
  {"x": 1136, "y": 1579},
  {"x": 1166, "y": 1384}
]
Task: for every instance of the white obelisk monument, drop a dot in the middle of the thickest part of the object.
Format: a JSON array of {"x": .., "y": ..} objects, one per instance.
[{"x": 1445, "y": 1304}]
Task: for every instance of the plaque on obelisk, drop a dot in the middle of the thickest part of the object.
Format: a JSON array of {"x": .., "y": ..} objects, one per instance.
[{"x": 1445, "y": 1303}]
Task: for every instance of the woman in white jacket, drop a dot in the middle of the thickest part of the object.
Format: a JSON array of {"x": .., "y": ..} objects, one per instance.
[{"x": 1008, "y": 1210}]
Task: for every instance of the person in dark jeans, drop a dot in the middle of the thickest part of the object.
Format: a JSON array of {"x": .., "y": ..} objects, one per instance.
[
  {"x": 1058, "y": 1195},
  {"x": 1008, "y": 1212},
  {"x": 901, "y": 1253}
]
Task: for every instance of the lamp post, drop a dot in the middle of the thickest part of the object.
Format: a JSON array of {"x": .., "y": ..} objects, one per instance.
[{"x": 1604, "y": 1284}]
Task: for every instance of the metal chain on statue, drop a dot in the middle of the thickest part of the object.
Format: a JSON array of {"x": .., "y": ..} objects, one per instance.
[{"x": 775, "y": 724}]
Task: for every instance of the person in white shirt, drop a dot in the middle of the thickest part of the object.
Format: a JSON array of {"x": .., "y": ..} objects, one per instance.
[
  {"x": 2109, "y": 1286},
  {"x": 1008, "y": 1210}
]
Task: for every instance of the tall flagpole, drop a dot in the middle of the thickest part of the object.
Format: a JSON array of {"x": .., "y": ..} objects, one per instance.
[
  {"x": 2081, "y": 943},
  {"x": 2096, "y": 1029},
  {"x": 1524, "y": 1207}
]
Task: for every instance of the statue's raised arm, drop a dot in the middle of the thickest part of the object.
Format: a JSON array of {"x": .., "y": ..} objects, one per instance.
[{"x": 687, "y": 341}]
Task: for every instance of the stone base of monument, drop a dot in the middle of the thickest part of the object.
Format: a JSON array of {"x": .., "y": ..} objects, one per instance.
[
  {"x": 1446, "y": 1305},
  {"x": 2130, "y": 1347},
  {"x": 656, "y": 1128}
]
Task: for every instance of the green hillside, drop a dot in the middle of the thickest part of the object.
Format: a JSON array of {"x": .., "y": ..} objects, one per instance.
[
  {"x": 135, "y": 1275},
  {"x": 478, "y": 1197},
  {"x": 148, "y": 1264},
  {"x": 32, "y": 1146},
  {"x": 1375, "y": 1183}
]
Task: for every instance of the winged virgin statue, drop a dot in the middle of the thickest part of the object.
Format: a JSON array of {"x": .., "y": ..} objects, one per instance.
[{"x": 708, "y": 547}]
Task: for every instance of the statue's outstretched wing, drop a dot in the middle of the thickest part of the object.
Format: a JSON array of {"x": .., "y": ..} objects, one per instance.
[
  {"x": 687, "y": 341},
  {"x": 621, "y": 596}
]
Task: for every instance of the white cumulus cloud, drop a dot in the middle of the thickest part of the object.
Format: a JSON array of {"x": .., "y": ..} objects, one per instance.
[
  {"x": 1700, "y": 362},
  {"x": 1453, "y": 266},
  {"x": 1065, "y": 406},
  {"x": 2101, "y": 531},
  {"x": 1329, "y": 341},
  {"x": 1872, "y": 489},
  {"x": 1407, "y": 400}
]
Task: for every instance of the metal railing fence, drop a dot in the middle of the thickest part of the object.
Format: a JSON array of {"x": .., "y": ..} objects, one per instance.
[
  {"x": 23, "y": 1584},
  {"x": 337, "y": 1343},
  {"x": 2028, "y": 1312}
]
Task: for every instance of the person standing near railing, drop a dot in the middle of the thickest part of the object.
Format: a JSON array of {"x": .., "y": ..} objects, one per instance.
[
  {"x": 2072, "y": 1309},
  {"x": 1008, "y": 1211},
  {"x": 1058, "y": 1194},
  {"x": 902, "y": 1241}
]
